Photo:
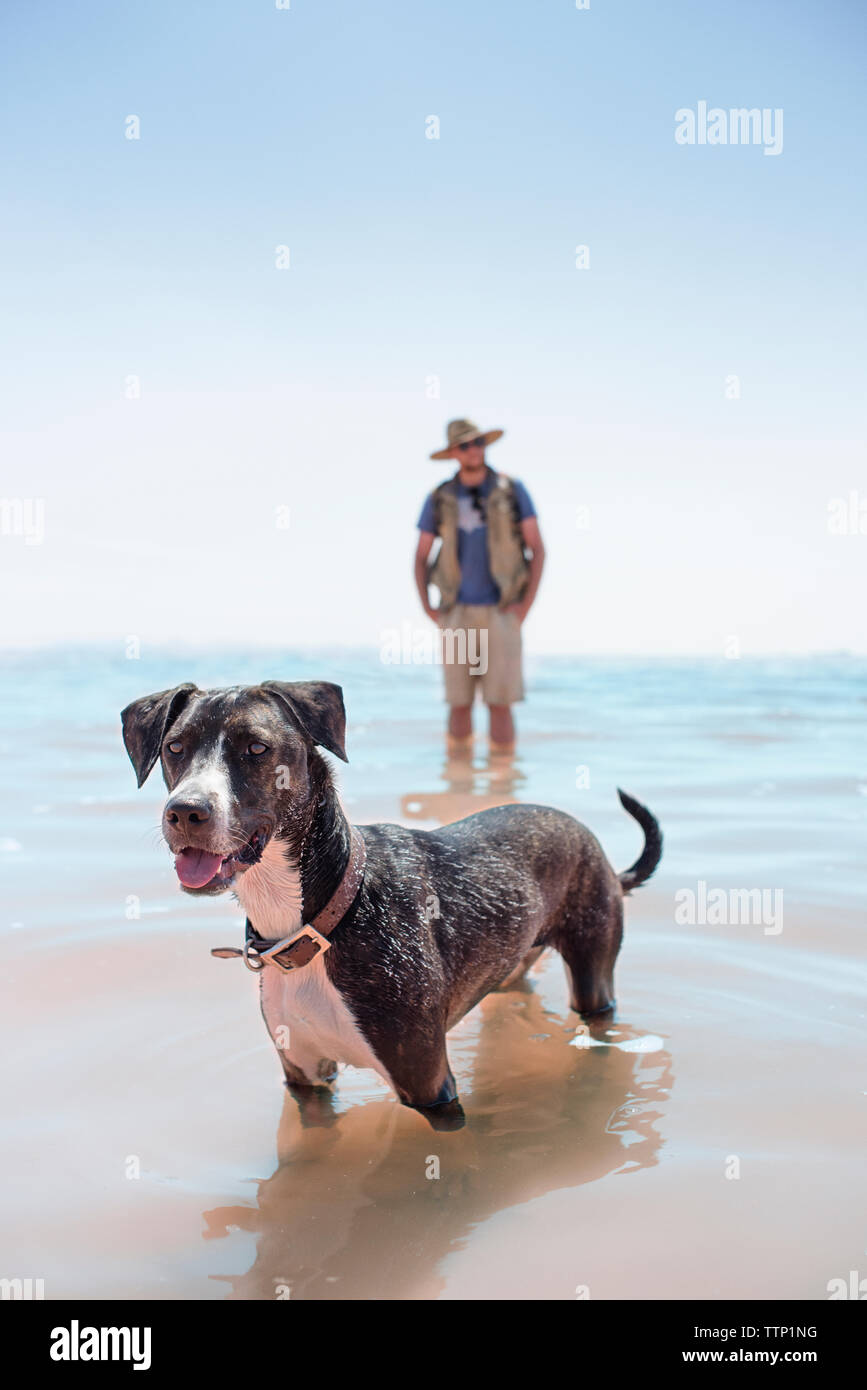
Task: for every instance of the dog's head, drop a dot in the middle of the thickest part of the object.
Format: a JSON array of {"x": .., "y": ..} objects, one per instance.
[{"x": 237, "y": 765}]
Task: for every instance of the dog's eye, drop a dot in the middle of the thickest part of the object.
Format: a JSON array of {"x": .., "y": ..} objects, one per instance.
[
  {"x": 175, "y": 747},
  {"x": 257, "y": 748}
]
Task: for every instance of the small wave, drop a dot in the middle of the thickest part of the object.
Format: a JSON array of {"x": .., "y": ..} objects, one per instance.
[{"x": 651, "y": 1042}]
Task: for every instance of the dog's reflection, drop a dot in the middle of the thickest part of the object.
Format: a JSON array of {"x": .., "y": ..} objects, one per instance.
[{"x": 367, "y": 1208}]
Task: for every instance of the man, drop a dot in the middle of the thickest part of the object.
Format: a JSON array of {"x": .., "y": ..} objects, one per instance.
[{"x": 487, "y": 570}]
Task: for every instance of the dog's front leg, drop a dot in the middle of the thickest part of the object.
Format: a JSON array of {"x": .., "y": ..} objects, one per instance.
[
  {"x": 425, "y": 1083},
  {"x": 308, "y": 1074},
  {"x": 326, "y": 1072},
  {"x": 315, "y": 1098}
]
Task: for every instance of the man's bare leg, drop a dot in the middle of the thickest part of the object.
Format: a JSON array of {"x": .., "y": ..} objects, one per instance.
[
  {"x": 502, "y": 729},
  {"x": 460, "y": 726}
]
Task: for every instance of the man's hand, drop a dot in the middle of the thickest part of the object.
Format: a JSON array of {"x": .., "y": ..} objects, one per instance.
[
  {"x": 532, "y": 538},
  {"x": 425, "y": 541}
]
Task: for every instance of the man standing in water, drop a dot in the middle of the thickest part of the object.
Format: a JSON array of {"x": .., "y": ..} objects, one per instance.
[{"x": 487, "y": 570}]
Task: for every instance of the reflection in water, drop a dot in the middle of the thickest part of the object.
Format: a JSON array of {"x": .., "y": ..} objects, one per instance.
[
  {"x": 368, "y": 1203},
  {"x": 351, "y": 1213},
  {"x": 468, "y": 788}
]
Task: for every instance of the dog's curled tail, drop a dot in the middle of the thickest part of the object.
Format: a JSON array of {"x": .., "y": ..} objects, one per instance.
[{"x": 652, "y": 852}]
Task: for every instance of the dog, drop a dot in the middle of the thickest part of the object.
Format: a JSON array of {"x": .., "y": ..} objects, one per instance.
[{"x": 371, "y": 942}]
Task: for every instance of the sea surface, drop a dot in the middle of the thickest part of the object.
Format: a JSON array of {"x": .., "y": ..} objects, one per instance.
[{"x": 707, "y": 1142}]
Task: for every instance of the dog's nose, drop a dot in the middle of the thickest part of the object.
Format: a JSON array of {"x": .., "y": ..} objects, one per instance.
[{"x": 188, "y": 811}]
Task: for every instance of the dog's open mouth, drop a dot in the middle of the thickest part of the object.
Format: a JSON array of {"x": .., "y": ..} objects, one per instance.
[{"x": 201, "y": 868}]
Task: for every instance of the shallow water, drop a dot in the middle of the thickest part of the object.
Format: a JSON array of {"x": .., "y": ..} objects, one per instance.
[{"x": 706, "y": 1143}]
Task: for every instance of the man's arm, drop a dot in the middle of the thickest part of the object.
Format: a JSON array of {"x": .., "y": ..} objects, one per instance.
[
  {"x": 532, "y": 538},
  {"x": 425, "y": 541}
]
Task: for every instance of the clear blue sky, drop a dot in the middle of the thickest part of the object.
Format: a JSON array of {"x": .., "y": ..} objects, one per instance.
[{"x": 413, "y": 258}]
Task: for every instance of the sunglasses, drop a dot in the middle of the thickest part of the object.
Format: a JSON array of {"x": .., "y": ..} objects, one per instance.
[{"x": 473, "y": 444}]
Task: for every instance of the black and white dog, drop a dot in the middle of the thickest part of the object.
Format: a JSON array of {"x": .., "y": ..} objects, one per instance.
[{"x": 371, "y": 941}]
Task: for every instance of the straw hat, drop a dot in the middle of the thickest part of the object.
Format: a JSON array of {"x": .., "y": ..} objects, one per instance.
[{"x": 461, "y": 432}]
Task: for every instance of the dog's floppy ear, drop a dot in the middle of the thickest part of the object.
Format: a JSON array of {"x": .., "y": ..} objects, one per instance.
[
  {"x": 145, "y": 722},
  {"x": 318, "y": 707}
]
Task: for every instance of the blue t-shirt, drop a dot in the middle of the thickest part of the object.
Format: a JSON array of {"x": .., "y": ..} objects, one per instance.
[{"x": 477, "y": 582}]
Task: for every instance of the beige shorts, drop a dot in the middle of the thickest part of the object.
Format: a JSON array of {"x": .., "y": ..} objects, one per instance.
[{"x": 481, "y": 655}]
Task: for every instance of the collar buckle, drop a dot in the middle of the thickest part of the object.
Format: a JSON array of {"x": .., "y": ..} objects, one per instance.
[{"x": 292, "y": 953}]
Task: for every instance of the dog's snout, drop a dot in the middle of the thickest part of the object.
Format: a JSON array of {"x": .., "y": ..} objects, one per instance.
[{"x": 186, "y": 812}]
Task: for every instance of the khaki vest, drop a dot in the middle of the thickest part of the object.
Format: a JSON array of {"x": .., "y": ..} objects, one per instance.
[{"x": 506, "y": 557}]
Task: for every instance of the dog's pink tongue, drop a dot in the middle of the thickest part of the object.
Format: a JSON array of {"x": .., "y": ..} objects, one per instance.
[{"x": 196, "y": 867}]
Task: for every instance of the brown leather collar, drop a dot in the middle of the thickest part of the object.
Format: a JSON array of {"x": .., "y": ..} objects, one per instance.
[{"x": 311, "y": 940}]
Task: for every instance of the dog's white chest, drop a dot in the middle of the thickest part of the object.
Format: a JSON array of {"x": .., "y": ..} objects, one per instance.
[
  {"x": 310, "y": 1021},
  {"x": 306, "y": 1016}
]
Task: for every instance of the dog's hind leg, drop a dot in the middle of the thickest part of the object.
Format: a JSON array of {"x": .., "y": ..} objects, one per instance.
[
  {"x": 521, "y": 969},
  {"x": 588, "y": 940}
]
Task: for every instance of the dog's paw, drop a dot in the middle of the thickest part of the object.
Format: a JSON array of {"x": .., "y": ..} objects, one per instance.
[{"x": 449, "y": 1116}]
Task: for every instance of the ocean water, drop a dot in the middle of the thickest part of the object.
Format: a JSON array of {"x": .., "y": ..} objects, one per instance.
[{"x": 149, "y": 1150}]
